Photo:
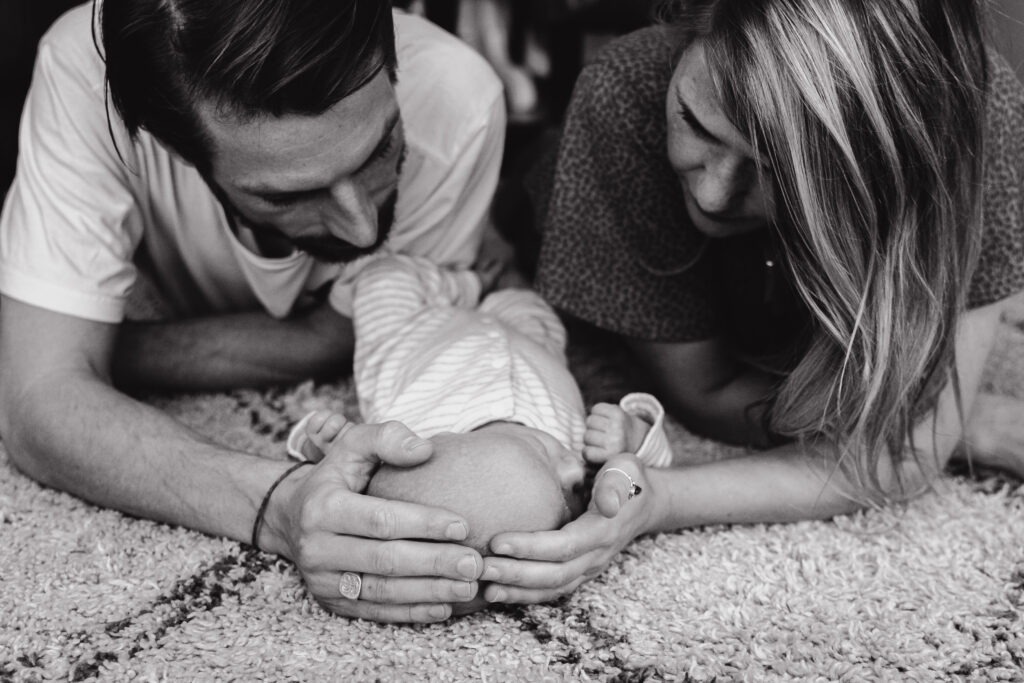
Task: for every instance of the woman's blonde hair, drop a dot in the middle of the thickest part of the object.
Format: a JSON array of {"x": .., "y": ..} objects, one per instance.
[{"x": 870, "y": 113}]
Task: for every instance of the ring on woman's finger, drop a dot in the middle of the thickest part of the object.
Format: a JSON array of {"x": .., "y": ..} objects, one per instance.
[
  {"x": 350, "y": 585},
  {"x": 634, "y": 488}
]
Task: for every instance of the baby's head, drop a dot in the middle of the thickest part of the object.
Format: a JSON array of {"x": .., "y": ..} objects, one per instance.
[{"x": 501, "y": 477}]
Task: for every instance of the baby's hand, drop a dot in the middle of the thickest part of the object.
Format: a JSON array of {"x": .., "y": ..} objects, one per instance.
[
  {"x": 323, "y": 429},
  {"x": 611, "y": 431}
]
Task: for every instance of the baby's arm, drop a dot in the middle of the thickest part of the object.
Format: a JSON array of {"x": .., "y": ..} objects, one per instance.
[
  {"x": 393, "y": 288},
  {"x": 636, "y": 426},
  {"x": 312, "y": 436},
  {"x": 610, "y": 431}
]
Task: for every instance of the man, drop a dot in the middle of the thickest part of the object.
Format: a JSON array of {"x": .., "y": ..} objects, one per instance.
[{"x": 237, "y": 155}]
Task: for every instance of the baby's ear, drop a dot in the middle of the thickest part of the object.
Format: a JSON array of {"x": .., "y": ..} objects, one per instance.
[{"x": 577, "y": 500}]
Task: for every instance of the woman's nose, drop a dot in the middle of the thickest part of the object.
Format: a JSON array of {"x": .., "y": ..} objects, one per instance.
[{"x": 719, "y": 186}]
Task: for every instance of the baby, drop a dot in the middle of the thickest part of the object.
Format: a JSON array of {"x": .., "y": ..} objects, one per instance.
[{"x": 488, "y": 383}]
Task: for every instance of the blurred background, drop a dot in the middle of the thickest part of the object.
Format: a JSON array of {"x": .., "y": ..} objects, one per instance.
[{"x": 537, "y": 47}]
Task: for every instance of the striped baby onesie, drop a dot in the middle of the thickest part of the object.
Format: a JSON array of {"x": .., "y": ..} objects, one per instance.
[{"x": 429, "y": 356}]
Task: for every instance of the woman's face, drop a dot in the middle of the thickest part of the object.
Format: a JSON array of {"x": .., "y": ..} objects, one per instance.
[{"x": 728, "y": 191}]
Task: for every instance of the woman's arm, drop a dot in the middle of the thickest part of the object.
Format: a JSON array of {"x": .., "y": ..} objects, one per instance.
[
  {"x": 708, "y": 388},
  {"x": 785, "y": 484}
]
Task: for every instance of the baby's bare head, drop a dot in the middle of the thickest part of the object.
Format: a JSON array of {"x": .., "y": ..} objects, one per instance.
[{"x": 501, "y": 477}]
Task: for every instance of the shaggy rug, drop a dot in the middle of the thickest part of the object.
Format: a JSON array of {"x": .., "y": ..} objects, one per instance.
[{"x": 930, "y": 591}]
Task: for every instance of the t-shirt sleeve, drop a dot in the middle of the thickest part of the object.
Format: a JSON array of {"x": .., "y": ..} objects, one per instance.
[
  {"x": 63, "y": 241},
  {"x": 618, "y": 250},
  {"x": 1000, "y": 269}
]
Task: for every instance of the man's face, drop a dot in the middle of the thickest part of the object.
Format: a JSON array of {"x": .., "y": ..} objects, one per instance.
[{"x": 324, "y": 184}]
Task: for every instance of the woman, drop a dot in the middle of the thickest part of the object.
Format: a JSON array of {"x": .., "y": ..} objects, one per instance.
[{"x": 778, "y": 204}]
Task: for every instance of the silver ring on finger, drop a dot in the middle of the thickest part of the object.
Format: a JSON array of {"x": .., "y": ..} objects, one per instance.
[
  {"x": 634, "y": 488},
  {"x": 350, "y": 585}
]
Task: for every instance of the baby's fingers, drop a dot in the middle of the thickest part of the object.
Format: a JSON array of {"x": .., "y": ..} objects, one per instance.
[
  {"x": 324, "y": 427},
  {"x": 300, "y": 444},
  {"x": 606, "y": 410},
  {"x": 597, "y": 454},
  {"x": 599, "y": 423},
  {"x": 595, "y": 436}
]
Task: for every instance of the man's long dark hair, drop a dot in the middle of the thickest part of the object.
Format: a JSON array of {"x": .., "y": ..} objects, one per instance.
[{"x": 246, "y": 57}]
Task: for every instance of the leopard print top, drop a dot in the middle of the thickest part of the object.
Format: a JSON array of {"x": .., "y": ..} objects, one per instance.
[{"x": 620, "y": 252}]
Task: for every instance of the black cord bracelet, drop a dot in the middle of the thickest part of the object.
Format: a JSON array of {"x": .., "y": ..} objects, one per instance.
[{"x": 257, "y": 526}]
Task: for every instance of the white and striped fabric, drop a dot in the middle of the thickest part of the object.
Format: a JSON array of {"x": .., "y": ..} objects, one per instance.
[
  {"x": 429, "y": 356},
  {"x": 654, "y": 450}
]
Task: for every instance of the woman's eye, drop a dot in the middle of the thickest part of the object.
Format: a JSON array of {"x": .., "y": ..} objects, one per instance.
[{"x": 691, "y": 121}]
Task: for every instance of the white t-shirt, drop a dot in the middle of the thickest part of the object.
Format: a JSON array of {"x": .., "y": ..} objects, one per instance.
[{"x": 78, "y": 222}]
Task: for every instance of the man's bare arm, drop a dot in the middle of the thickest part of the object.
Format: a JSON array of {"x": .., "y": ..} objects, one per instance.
[
  {"x": 65, "y": 426},
  {"x": 230, "y": 351}
]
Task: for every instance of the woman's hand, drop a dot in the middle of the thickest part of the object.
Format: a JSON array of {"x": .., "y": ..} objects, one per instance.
[
  {"x": 327, "y": 527},
  {"x": 545, "y": 565}
]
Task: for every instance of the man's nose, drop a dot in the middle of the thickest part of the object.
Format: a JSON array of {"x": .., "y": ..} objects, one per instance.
[{"x": 353, "y": 217}]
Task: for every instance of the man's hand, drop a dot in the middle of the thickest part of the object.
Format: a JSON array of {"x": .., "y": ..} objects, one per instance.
[
  {"x": 610, "y": 431},
  {"x": 412, "y": 570}
]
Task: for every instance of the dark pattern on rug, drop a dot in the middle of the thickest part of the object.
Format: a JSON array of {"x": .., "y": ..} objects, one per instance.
[{"x": 202, "y": 592}]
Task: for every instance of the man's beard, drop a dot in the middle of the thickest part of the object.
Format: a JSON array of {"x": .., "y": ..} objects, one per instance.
[
  {"x": 325, "y": 248},
  {"x": 331, "y": 249}
]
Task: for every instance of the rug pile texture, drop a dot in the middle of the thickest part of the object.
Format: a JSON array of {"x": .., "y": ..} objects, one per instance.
[{"x": 926, "y": 592}]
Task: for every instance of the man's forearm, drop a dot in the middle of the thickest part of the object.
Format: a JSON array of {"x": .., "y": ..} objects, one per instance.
[
  {"x": 231, "y": 351},
  {"x": 77, "y": 434}
]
